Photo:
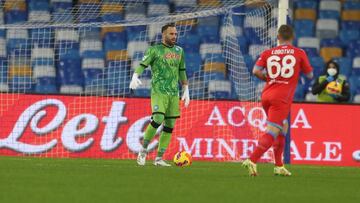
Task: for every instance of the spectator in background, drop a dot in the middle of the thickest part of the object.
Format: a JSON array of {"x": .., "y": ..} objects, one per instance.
[{"x": 331, "y": 86}]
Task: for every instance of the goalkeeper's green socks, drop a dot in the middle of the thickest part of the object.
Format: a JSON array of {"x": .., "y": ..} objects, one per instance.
[
  {"x": 149, "y": 135},
  {"x": 164, "y": 141}
]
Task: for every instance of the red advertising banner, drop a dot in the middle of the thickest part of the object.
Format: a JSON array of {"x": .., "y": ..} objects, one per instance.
[
  {"x": 325, "y": 134},
  {"x": 106, "y": 127}
]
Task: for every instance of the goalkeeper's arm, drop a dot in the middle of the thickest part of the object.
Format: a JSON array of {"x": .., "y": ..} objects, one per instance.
[
  {"x": 147, "y": 60},
  {"x": 183, "y": 79}
]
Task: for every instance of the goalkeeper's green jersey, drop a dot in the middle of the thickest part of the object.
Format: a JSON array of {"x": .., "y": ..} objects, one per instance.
[{"x": 167, "y": 67}]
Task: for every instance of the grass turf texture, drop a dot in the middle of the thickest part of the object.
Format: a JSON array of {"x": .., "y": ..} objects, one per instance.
[{"x": 95, "y": 180}]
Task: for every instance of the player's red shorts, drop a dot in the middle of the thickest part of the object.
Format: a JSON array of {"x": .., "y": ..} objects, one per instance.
[{"x": 276, "y": 110}]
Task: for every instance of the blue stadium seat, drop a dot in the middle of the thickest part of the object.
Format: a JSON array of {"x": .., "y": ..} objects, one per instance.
[
  {"x": 62, "y": 16},
  {"x": 159, "y": 1},
  {"x": 59, "y": 6},
  {"x": 351, "y": 5},
  {"x": 93, "y": 54},
  {"x": 68, "y": 50},
  {"x": 234, "y": 95},
  {"x": 2, "y": 33},
  {"x": 19, "y": 47},
  {"x": 86, "y": 13},
  {"x": 38, "y": 5},
  {"x": 252, "y": 36},
  {"x": 318, "y": 65},
  {"x": 306, "y": 83},
  {"x": 190, "y": 43},
  {"x": 193, "y": 63},
  {"x": 208, "y": 33},
  {"x": 138, "y": 55},
  {"x": 304, "y": 28},
  {"x": 325, "y": 14},
  {"x": 306, "y": 4},
  {"x": 353, "y": 52},
  {"x": 134, "y": 33},
  {"x": 42, "y": 62},
  {"x": 70, "y": 71},
  {"x": 214, "y": 58},
  {"x": 72, "y": 64},
  {"x": 3, "y": 70},
  {"x": 353, "y": 48},
  {"x": 112, "y": 17},
  {"x": 311, "y": 52},
  {"x": 244, "y": 45},
  {"x": 208, "y": 29},
  {"x": 15, "y": 16},
  {"x": 46, "y": 85},
  {"x": 299, "y": 93},
  {"x": 238, "y": 20},
  {"x": 22, "y": 84},
  {"x": 115, "y": 41},
  {"x": 345, "y": 64},
  {"x": 117, "y": 83},
  {"x": 142, "y": 92},
  {"x": 182, "y": 9},
  {"x": 354, "y": 82},
  {"x": 334, "y": 42},
  {"x": 42, "y": 37},
  {"x": 350, "y": 25},
  {"x": 249, "y": 62},
  {"x": 348, "y": 35},
  {"x": 92, "y": 74}
]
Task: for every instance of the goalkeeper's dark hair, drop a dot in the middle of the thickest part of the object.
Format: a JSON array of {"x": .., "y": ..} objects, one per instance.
[
  {"x": 286, "y": 32},
  {"x": 165, "y": 27}
]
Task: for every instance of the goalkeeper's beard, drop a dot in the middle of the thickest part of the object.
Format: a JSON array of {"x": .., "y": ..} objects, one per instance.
[{"x": 170, "y": 42}]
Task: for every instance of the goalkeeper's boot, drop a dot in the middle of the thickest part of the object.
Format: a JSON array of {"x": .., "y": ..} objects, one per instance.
[
  {"x": 141, "y": 159},
  {"x": 281, "y": 171},
  {"x": 251, "y": 167},
  {"x": 160, "y": 162}
]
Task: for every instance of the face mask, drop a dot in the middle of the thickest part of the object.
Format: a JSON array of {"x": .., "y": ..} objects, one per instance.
[{"x": 331, "y": 71}]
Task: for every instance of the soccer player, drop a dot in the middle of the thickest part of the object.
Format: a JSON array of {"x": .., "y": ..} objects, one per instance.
[
  {"x": 280, "y": 68},
  {"x": 167, "y": 67}
]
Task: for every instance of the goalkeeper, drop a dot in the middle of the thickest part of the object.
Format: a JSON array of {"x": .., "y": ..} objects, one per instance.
[{"x": 167, "y": 67}]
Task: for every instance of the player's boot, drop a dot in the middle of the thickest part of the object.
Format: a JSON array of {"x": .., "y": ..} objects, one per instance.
[
  {"x": 281, "y": 171},
  {"x": 251, "y": 167},
  {"x": 160, "y": 162},
  {"x": 141, "y": 159}
]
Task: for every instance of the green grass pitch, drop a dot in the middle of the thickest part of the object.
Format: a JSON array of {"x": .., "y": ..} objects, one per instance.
[{"x": 94, "y": 180}]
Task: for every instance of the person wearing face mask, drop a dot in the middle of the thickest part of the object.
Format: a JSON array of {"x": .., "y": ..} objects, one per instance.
[{"x": 331, "y": 86}]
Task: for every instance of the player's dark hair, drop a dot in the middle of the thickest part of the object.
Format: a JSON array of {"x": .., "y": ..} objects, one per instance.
[
  {"x": 165, "y": 27},
  {"x": 286, "y": 32}
]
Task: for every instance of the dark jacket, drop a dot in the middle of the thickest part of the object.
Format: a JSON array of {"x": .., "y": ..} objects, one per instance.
[{"x": 318, "y": 87}]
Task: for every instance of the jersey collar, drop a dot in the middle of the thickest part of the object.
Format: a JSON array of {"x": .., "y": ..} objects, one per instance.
[{"x": 166, "y": 45}]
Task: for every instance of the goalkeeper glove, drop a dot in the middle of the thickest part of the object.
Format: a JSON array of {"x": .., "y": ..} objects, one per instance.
[
  {"x": 135, "y": 81},
  {"x": 186, "y": 96}
]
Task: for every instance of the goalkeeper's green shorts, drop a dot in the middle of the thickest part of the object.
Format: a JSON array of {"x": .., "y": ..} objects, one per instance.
[{"x": 165, "y": 104}]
